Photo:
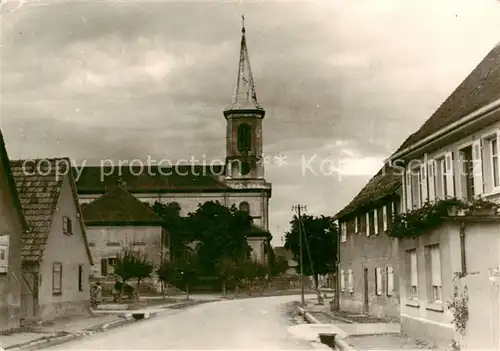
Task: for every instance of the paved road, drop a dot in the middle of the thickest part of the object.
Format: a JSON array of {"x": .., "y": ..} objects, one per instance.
[{"x": 251, "y": 324}]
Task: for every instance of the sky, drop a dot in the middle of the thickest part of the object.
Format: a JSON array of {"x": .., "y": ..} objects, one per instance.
[{"x": 343, "y": 83}]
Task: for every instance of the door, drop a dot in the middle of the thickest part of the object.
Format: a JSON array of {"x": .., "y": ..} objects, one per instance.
[
  {"x": 365, "y": 290},
  {"x": 29, "y": 293}
]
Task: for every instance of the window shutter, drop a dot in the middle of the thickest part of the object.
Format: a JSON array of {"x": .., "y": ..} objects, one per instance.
[
  {"x": 343, "y": 229},
  {"x": 367, "y": 223},
  {"x": 477, "y": 169},
  {"x": 378, "y": 279},
  {"x": 423, "y": 183},
  {"x": 390, "y": 281},
  {"x": 436, "y": 266},
  {"x": 408, "y": 199},
  {"x": 342, "y": 280},
  {"x": 431, "y": 177},
  {"x": 4, "y": 253},
  {"x": 414, "y": 271},
  {"x": 350, "y": 284},
  {"x": 450, "y": 184},
  {"x": 356, "y": 224},
  {"x": 384, "y": 217},
  {"x": 375, "y": 221}
]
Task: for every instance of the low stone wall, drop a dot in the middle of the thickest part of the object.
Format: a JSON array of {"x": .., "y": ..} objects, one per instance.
[{"x": 425, "y": 330}]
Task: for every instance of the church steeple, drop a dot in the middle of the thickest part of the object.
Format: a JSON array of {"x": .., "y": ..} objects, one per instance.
[{"x": 245, "y": 98}]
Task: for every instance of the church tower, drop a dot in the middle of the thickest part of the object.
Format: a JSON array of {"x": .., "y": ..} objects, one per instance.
[{"x": 244, "y": 163}]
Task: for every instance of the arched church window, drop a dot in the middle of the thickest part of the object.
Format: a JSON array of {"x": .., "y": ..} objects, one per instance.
[
  {"x": 244, "y": 137},
  {"x": 245, "y": 207},
  {"x": 246, "y": 167}
]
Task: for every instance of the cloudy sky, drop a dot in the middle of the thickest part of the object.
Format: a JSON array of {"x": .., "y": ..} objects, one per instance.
[{"x": 343, "y": 82}]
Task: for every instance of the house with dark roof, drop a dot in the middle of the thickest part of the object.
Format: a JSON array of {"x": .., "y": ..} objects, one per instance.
[
  {"x": 118, "y": 220},
  {"x": 12, "y": 227},
  {"x": 368, "y": 257},
  {"x": 238, "y": 179},
  {"x": 55, "y": 255},
  {"x": 454, "y": 154}
]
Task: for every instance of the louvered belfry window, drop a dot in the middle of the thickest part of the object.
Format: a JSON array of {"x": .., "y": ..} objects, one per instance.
[{"x": 244, "y": 137}]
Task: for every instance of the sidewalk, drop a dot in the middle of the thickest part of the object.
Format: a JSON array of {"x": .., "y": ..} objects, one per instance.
[
  {"x": 60, "y": 330},
  {"x": 66, "y": 329},
  {"x": 358, "y": 332}
]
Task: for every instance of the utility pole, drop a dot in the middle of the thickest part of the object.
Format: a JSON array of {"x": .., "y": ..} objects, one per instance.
[{"x": 298, "y": 209}]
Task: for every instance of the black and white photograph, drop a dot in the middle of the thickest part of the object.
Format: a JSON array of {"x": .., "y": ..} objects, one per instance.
[{"x": 249, "y": 175}]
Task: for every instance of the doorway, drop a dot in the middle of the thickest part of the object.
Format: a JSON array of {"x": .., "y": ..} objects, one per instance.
[{"x": 365, "y": 291}]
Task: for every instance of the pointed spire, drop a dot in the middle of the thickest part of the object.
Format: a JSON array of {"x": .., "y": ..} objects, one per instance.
[{"x": 245, "y": 97}]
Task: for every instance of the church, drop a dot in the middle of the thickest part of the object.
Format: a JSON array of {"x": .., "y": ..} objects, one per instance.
[{"x": 240, "y": 181}]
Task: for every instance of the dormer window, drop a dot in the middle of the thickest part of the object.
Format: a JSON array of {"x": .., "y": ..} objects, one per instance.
[{"x": 67, "y": 229}]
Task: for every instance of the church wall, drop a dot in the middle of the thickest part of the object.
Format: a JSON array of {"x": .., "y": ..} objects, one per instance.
[{"x": 189, "y": 202}]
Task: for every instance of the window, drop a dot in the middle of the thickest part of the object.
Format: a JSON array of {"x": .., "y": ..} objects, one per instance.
[
  {"x": 415, "y": 187},
  {"x": 356, "y": 224},
  {"x": 494, "y": 162},
  {"x": 413, "y": 270},
  {"x": 435, "y": 269},
  {"x": 384, "y": 218},
  {"x": 390, "y": 281},
  {"x": 245, "y": 207},
  {"x": 378, "y": 281},
  {"x": 57, "y": 278},
  {"x": 112, "y": 261},
  {"x": 4, "y": 253},
  {"x": 104, "y": 267},
  {"x": 375, "y": 221},
  {"x": 80, "y": 277},
  {"x": 367, "y": 223},
  {"x": 342, "y": 280},
  {"x": 67, "y": 225},
  {"x": 441, "y": 179},
  {"x": 350, "y": 283},
  {"x": 244, "y": 137},
  {"x": 246, "y": 167},
  {"x": 432, "y": 179},
  {"x": 343, "y": 228},
  {"x": 467, "y": 175}
]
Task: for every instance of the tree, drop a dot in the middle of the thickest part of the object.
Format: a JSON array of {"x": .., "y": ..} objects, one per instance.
[
  {"x": 222, "y": 233},
  {"x": 320, "y": 235},
  {"x": 180, "y": 273},
  {"x": 226, "y": 269},
  {"x": 176, "y": 227},
  {"x": 132, "y": 264}
]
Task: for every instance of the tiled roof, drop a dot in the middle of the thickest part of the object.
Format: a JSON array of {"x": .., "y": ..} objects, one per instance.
[
  {"x": 479, "y": 89},
  {"x": 39, "y": 184},
  {"x": 383, "y": 184},
  {"x": 119, "y": 207},
  {"x": 181, "y": 178},
  {"x": 5, "y": 162}
]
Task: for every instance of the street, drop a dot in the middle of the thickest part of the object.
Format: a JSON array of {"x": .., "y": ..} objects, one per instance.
[{"x": 251, "y": 324}]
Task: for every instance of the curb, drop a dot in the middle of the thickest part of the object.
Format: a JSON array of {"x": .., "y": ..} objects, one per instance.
[
  {"x": 127, "y": 318},
  {"x": 56, "y": 340},
  {"x": 340, "y": 343}
]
